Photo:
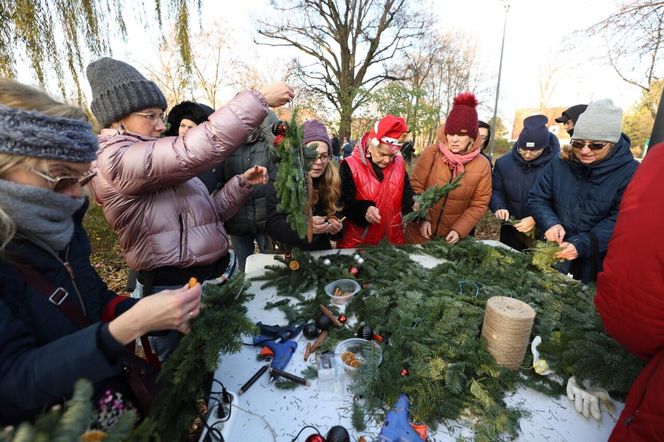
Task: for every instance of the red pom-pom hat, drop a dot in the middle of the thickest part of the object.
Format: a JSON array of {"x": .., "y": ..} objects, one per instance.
[{"x": 462, "y": 119}]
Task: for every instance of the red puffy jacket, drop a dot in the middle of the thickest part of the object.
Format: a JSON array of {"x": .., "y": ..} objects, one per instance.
[
  {"x": 387, "y": 195},
  {"x": 630, "y": 297}
]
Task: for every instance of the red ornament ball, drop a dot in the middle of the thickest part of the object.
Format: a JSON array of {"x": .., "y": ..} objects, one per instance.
[
  {"x": 315, "y": 438},
  {"x": 342, "y": 319},
  {"x": 354, "y": 270},
  {"x": 404, "y": 372},
  {"x": 288, "y": 255}
]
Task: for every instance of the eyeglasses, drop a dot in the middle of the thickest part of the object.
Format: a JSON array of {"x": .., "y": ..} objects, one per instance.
[
  {"x": 324, "y": 158},
  {"x": 592, "y": 145},
  {"x": 153, "y": 117},
  {"x": 532, "y": 152},
  {"x": 64, "y": 182}
]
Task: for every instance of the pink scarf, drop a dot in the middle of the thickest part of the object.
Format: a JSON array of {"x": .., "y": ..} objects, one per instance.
[{"x": 455, "y": 160}]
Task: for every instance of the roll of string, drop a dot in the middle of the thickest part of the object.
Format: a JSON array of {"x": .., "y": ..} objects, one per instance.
[{"x": 507, "y": 326}]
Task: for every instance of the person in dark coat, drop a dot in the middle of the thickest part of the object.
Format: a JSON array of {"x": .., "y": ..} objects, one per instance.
[
  {"x": 515, "y": 174},
  {"x": 247, "y": 227},
  {"x": 407, "y": 151},
  {"x": 185, "y": 116},
  {"x": 570, "y": 116},
  {"x": 325, "y": 197},
  {"x": 576, "y": 201},
  {"x": 484, "y": 132},
  {"x": 336, "y": 147},
  {"x": 46, "y": 149}
]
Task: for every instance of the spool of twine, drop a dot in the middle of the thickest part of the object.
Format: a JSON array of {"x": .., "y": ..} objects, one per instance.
[{"x": 506, "y": 328}]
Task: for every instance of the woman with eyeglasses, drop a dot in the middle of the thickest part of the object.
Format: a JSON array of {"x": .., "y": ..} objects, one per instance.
[
  {"x": 375, "y": 190},
  {"x": 59, "y": 322},
  {"x": 169, "y": 227},
  {"x": 457, "y": 151},
  {"x": 576, "y": 201},
  {"x": 515, "y": 174},
  {"x": 324, "y": 199}
]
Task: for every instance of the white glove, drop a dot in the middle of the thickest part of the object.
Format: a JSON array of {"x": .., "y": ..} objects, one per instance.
[
  {"x": 539, "y": 365},
  {"x": 586, "y": 401}
]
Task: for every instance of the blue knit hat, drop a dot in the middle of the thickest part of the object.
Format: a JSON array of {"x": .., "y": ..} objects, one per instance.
[
  {"x": 33, "y": 134},
  {"x": 535, "y": 134}
]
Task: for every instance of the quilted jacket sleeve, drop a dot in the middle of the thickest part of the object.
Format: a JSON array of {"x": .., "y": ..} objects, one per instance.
[
  {"x": 540, "y": 199},
  {"x": 137, "y": 166}
]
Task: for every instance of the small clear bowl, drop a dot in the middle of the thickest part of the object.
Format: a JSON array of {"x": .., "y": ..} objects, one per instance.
[
  {"x": 348, "y": 286},
  {"x": 362, "y": 351}
]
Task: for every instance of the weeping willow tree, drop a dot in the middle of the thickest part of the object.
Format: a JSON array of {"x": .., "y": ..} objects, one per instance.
[{"x": 58, "y": 38}]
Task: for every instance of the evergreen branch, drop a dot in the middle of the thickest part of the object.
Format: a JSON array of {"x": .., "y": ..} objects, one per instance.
[{"x": 429, "y": 198}]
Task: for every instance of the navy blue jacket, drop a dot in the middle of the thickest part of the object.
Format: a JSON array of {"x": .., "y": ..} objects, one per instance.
[
  {"x": 42, "y": 352},
  {"x": 585, "y": 200},
  {"x": 513, "y": 177}
]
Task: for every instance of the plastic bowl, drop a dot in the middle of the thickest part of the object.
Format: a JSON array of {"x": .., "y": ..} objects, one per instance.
[
  {"x": 348, "y": 286},
  {"x": 362, "y": 351}
]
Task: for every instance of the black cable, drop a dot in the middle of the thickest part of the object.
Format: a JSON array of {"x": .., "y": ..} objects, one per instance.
[
  {"x": 225, "y": 395},
  {"x": 211, "y": 431},
  {"x": 304, "y": 428}
]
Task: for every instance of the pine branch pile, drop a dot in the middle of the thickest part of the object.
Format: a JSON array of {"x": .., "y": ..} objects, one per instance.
[
  {"x": 188, "y": 372},
  {"x": 430, "y": 320},
  {"x": 293, "y": 184},
  {"x": 429, "y": 198}
]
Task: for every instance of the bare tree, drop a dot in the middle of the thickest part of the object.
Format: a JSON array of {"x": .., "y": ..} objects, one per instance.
[
  {"x": 350, "y": 42},
  {"x": 634, "y": 36},
  {"x": 546, "y": 83},
  {"x": 218, "y": 68}
]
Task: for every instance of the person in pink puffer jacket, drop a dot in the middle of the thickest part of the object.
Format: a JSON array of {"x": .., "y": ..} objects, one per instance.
[{"x": 169, "y": 227}]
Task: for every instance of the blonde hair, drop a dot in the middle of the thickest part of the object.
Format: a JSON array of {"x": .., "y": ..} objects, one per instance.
[
  {"x": 328, "y": 189},
  {"x": 20, "y": 96}
]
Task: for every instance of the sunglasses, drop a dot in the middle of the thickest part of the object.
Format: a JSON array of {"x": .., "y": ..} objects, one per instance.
[
  {"x": 62, "y": 183},
  {"x": 592, "y": 145}
]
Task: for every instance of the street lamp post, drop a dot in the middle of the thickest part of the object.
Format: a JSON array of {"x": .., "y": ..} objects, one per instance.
[{"x": 492, "y": 140}]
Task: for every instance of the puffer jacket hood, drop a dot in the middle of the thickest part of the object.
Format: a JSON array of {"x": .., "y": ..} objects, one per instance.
[{"x": 619, "y": 155}]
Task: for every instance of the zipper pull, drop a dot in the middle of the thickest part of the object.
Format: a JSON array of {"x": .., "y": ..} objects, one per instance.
[{"x": 70, "y": 270}]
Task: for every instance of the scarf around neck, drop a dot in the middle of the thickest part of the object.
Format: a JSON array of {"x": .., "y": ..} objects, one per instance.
[
  {"x": 457, "y": 161},
  {"x": 40, "y": 213}
]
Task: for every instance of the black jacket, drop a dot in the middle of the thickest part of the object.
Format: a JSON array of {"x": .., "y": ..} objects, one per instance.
[{"x": 42, "y": 352}]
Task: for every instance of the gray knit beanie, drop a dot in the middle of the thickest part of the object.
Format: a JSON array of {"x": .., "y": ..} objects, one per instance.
[
  {"x": 601, "y": 121},
  {"x": 33, "y": 134},
  {"x": 118, "y": 90},
  {"x": 313, "y": 130}
]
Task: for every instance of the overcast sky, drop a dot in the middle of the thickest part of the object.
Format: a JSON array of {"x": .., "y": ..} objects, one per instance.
[{"x": 540, "y": 35}]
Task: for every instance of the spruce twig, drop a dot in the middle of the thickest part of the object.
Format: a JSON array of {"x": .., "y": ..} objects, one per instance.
[
  {"x": 293, "y": 184},
  {"x": 429, "y": 198}
]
